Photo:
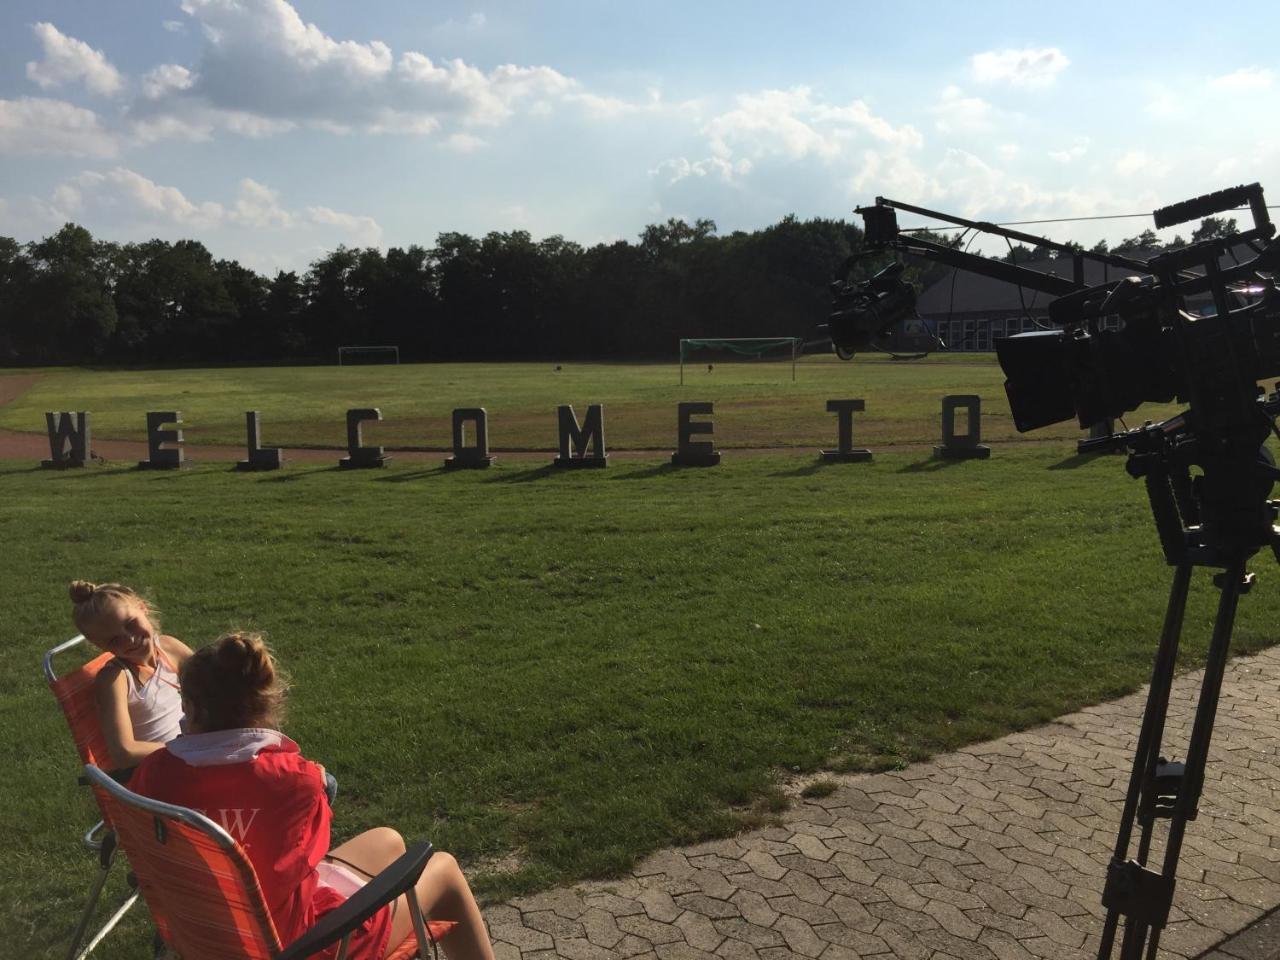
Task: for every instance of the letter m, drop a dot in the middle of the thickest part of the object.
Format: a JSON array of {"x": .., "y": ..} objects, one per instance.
[{"x": 591, "y": 432}]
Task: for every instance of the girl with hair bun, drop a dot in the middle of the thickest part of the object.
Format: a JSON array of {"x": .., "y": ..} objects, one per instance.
[
  {"x": 139, "y": 705},
  {"x": 234, "y": 764}
]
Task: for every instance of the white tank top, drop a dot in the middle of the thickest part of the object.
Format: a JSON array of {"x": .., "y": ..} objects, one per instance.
[{"x": 155, "y": 706}]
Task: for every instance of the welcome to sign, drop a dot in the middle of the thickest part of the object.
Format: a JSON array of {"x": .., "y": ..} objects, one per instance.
[{"x": 581, "y": 445}]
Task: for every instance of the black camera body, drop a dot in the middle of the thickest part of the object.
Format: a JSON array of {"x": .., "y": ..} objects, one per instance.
[{"x": 862, "y": 311}]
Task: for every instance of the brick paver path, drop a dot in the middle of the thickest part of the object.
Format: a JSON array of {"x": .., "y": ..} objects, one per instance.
[{"x": 995, "y": 851}]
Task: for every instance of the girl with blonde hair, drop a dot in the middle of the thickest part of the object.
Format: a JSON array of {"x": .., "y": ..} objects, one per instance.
[{"x": 139, "y": 703}]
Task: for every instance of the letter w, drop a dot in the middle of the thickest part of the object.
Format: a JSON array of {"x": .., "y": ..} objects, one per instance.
[
  {"x": 234, "y": 822},
  {"x": 68, "y": 436}
]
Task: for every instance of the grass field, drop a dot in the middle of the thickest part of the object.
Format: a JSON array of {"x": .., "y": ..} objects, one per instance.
[
  {"x": 552, "y": 673},
  {"x": 757, "y": 404}
]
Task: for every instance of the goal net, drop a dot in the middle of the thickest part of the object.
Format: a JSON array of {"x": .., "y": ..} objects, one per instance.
[
  {"x": 350, "y": 356},
  {"x": 712, "y": 350}
]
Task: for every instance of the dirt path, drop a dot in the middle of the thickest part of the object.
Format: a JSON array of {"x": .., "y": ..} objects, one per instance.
[{"x": 14, "y": 385}]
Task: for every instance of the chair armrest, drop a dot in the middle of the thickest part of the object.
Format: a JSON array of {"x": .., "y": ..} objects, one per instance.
[{"x": 396, "y": 879}]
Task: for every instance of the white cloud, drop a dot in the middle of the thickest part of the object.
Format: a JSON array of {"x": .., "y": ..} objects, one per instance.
[
  {"x": 957, "y": 113},
  {"x": 774, "y": 152},
  {"x": 1136, "y": 162},
  {"x": 144, "y": 200},
  {"x": 68, "y": 60},
  {"x": 175, "y": 26},
  {"x": 360, "y": 231},
  {"x": 264, "y": 70},
  {"x": 464, "y": 143},
  {"x": 124, "y": 198},
  {"x": 166, "y": 78},
  {"x": 1246, "y": 79},
  {"x": 257, "y": 205},
  {"x": 680, "y": 168},
  {"x": 1077, "y": 150},
  {"x": 1019, "y": 68},
  {"x": 37, "y": 125},
  {"x": 791, "y": 124}
]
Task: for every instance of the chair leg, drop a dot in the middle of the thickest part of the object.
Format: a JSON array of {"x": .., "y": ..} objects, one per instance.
[
  {"x": 110, "y": 925},
  {"x": 85, "y": 917},
  {"x": 106, "y": 856}
]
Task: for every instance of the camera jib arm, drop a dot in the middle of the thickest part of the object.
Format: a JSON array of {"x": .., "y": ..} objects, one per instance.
[{"x": 881, "y": 224}]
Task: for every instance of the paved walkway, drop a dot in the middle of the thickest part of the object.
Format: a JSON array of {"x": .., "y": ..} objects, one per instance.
[{"x": 995, "y": 851}]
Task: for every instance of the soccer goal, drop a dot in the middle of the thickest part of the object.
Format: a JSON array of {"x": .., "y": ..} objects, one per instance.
[
  {"x": 349, "y": 356},
  {"x": 754, "y": 348}
]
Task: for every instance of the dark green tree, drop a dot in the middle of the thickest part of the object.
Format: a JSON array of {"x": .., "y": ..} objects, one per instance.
[{"x": 70, "y": 313}]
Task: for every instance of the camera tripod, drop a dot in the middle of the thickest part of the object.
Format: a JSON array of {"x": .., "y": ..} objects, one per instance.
[{"x": 1218, "y": 520}]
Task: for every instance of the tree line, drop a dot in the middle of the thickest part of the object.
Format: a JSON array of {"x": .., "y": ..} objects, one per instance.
[{"x": 71, "y": 298}]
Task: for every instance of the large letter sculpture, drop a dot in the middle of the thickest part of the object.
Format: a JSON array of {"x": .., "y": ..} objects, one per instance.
[
  {"x": 691, "y": 453},
  {"x": 845, "y": 453},
  {"x": 475, "y": 457},
  {"x": 161, "y": 457},
  {"x": 358, "y": 455},
  {"x": 68, "y": 440},
  {"x": 965, "y": 446},
  {"x": 592, "y": 433},
  {"x": 259, "y": 459}
]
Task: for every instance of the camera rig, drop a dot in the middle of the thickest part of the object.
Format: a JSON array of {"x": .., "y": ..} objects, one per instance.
[{"x": 1111, "y": 347}]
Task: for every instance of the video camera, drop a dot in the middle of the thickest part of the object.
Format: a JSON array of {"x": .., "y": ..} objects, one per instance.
[{"x": 1117, "y": 344}]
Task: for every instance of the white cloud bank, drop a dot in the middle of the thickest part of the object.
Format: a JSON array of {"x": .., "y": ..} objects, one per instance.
[
  {"x": 37, "y": 125},
  {"x": 785, "y": 126},
  {"x": 1246, "y": 79},
  {"x": 124, "y": 198},
  {"x": 69, "y": 61},
  {"x": 264, "y": 70}
]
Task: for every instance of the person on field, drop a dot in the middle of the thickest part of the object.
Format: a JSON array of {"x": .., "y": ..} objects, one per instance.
[
  {"x": 139, "y": 704},
  {"x": 234, "y": 760}
]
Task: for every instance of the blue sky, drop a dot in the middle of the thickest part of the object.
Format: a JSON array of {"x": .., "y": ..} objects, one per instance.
[{"x": 273, "y": 131}]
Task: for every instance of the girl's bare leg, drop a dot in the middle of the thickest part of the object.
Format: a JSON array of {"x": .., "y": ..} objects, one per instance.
[{"x": 442, "y": 893}]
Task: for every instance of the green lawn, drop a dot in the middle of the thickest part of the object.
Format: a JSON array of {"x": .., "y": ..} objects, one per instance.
[
  {"x": 757, "y": 404},
  {"x": 562, "y": 671}
]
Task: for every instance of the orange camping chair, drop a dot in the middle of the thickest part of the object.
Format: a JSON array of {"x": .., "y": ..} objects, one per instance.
[
  {"x": 205, "y": 898},
  {"x": 74, "y": 693}
]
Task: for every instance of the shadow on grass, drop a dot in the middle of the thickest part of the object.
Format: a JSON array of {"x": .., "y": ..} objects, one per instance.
[
  {"x": 11, "y": 470},
  {"x": 931, "y": 465},
  {"x": 296, "y": 474},
  {"x": 808, "y": 470},
  {"x": 525, "y": 476},
  {"x": 1074, "y": 461},
  {"x": 657, "y": 470},
  {"x": 408, "y": 475}
]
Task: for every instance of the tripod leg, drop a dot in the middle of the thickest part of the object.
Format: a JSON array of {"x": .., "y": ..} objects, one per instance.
[
  {"x": 1149, "y": 736},
  {"x": 1206, "y": 711}
]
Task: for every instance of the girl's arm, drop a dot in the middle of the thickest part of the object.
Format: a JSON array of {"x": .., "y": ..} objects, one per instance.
[
  {"x": 175, "y": 650},
  {"x": 110, "y": 690}
]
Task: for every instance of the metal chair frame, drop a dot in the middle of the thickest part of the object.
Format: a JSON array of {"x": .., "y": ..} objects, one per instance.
[
  {"x": 100, "y": 839},
  {"x": 337, "y": 926}
]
